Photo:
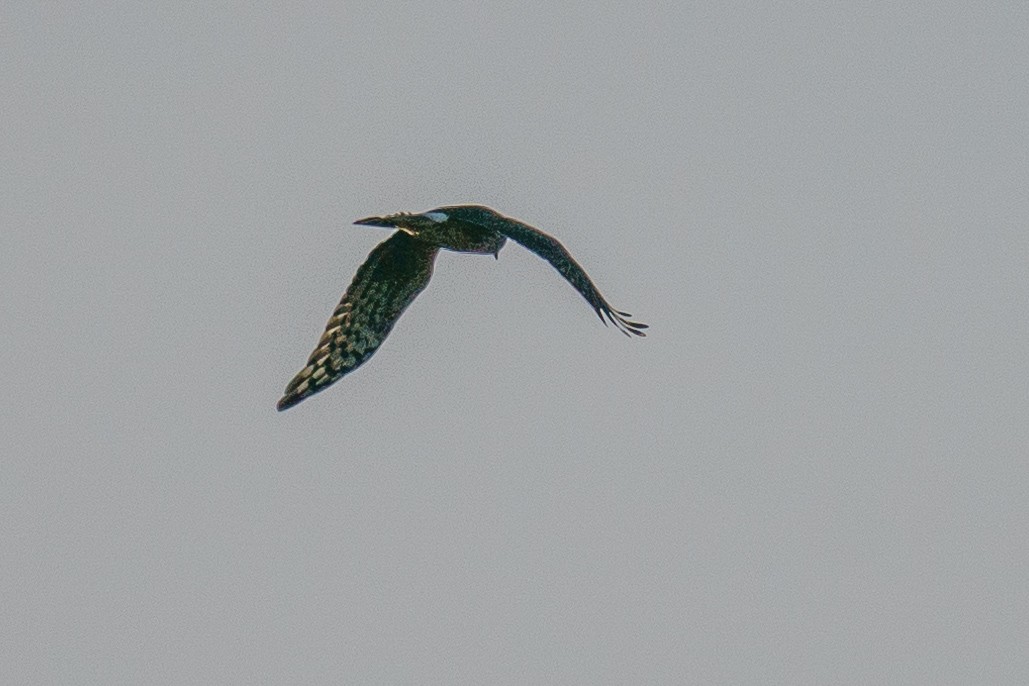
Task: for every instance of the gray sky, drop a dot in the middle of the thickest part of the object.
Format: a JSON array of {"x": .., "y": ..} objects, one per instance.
[{"x": 814, "y": 469}]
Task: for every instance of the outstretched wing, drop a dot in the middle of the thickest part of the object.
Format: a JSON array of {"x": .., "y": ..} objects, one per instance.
[
  {"x": 550, "y": 249},
  {"x": 396, "y": 271}
]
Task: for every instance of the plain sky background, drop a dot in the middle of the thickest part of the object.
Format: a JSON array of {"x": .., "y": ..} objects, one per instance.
[{"x": 813, "y": 470}]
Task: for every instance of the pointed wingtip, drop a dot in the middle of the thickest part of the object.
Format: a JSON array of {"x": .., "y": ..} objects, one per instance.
[
  {"x": 287, "y": 401},
  {"x": 623, "y": 323}
]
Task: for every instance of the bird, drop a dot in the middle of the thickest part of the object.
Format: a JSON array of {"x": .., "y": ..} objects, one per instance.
[{"x": 399, "y": 268}]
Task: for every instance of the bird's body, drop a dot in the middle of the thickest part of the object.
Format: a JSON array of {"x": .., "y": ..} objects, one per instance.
[
  {"x": 443, "y": 230},
  {"x": 399, "y": 268}
]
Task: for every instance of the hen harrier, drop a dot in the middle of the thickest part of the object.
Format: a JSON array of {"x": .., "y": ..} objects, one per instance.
[{"x": 398, "y": 269}]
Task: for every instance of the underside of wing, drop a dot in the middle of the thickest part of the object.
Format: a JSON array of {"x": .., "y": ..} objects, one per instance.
[
  {"x": 550, "y": 249},
  {"x": 396, "y": 271}
]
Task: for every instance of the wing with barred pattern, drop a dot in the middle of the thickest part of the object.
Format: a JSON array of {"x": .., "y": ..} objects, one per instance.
[{"x": 396, "y": 271}]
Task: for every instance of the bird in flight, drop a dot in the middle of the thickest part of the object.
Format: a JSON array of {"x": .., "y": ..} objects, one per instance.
[{"x": 398, "y": 269}]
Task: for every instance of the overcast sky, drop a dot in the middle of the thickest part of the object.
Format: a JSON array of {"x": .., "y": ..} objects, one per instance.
[{"x": 813, "y": 470}]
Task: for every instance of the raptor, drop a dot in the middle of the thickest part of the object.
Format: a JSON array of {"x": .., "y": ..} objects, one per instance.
[{"x": 398, "y": 269}]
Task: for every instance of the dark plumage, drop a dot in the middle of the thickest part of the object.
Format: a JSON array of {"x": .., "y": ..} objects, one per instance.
[{"x": 398, "y": 269}]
